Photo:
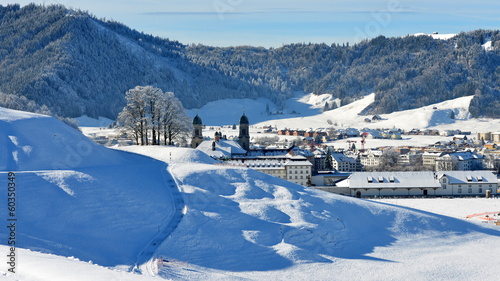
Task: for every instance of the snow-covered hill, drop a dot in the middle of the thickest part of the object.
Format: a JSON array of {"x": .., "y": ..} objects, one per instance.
[
  {"x": 305, "y": 111},
  {"x": 77, "y": 198},
  {"x": 241, "y": 223}
]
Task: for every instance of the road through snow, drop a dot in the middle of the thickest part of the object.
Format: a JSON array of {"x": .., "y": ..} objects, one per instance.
[{"x": 145, "y": 260}]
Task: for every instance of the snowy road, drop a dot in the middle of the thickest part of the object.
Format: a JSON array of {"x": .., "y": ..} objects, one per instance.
[{"x": 145, "y": 262}]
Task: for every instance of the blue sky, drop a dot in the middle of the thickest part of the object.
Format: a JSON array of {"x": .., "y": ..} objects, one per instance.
[{"x": 274, "y": 23}]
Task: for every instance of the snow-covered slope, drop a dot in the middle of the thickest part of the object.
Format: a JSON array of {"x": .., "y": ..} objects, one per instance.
[
  {"x": 307, "y": 113},
  {"x": 77, "y": 198},
  {"x": 242, "y": 223}
]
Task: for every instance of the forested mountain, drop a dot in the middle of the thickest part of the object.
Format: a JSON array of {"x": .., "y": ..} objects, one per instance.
[
  {"x": 405, "y": 73},
  {"x": 76, "y": 64}
]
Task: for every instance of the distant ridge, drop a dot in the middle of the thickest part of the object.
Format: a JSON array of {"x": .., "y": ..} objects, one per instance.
[{"x": 76, "y": 64}]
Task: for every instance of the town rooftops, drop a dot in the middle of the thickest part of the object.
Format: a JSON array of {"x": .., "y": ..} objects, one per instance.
[{"x": 425, "y": 179}]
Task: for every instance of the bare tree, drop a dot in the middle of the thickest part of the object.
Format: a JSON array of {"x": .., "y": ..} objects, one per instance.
[
  {"x": 149, "y": 109},
  {"x": 389, "y": 160},
  {"x": 133, "y": 115}
]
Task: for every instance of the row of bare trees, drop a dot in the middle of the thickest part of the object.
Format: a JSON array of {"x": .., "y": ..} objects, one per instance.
[{"x": 154, "y": 117}]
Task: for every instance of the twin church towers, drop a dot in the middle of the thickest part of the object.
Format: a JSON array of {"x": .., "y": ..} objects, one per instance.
[{"x": 243, "y": 137}]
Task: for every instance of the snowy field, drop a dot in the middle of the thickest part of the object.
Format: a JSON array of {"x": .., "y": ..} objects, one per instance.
[{"x": 452, "y": 207}]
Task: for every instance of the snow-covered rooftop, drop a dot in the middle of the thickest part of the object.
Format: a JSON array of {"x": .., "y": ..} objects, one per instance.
[{"x": 391, "y": 180}]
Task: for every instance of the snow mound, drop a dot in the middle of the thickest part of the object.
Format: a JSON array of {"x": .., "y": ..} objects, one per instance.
[
  {"x": 38, "y": 142},
  {"x": 77, "y": 198},
  {"x": 170, "y": 154}
]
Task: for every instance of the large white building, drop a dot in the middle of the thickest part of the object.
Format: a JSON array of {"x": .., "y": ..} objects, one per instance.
[
  {"x": 444, "y": 183},
  {"x": 371, "y": 158},
  {"x": 343, "y": 163},
  {"x": 461, "y": 161},
  {"x": 297, "y": 168}
]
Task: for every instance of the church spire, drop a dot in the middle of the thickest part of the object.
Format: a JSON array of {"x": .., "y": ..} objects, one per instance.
[
  {"x": 244, "y": 136},
  {"x": 198, "y": 131}
]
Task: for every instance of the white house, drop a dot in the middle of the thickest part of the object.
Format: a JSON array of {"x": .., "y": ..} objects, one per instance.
[
  {"x": 371, "y": 159},
  {"x": 429, "y": 158},
  {"x": 467, "y": 182},
  {"x": 298, "y": 170},
  {"x": 343, "y": 163},
  {"x": 444, "y": 183},
  {"x": 461, "y": 161}
]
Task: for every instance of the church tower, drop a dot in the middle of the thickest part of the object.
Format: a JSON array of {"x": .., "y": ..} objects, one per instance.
[
  {"x": 244, "y": 136},
  {"x": 197, "y": 134}
]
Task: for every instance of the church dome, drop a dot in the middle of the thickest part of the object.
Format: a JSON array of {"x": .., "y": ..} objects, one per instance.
[
  {"x": 197, "y": 120},
  {"x": 244, "y": 119}
]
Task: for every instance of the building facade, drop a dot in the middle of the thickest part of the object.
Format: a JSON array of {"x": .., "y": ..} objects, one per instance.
[
  {"x": 443, "y": 183},
  {"x": 299, "y": 170}
]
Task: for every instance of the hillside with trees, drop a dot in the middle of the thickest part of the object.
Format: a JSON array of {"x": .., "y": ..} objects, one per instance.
[
  {"x": 72, "y": 63},
  {"x": 76, "y": 64}
]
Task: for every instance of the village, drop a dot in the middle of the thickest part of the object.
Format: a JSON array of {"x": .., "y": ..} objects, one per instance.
[{"x": 340, "y": 160}]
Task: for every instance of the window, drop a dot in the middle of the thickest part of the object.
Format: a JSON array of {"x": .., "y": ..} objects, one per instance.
[
  {"x": 459, "y": 190},
  {"x": 470, "y": 190},
  {"x": 445, "y": 180},
  {"x": 301, "y": 177},
  {"x": 480, "y": 190},
  {"x": 444, "y": 186}
]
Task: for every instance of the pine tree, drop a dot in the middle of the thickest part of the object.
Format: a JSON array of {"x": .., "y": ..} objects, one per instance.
[
  {"x": 326, "y": 107},
  {"x": 328, "y": 161}
]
